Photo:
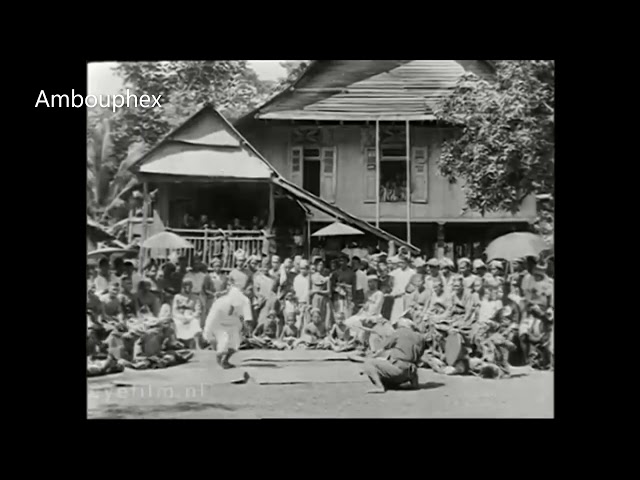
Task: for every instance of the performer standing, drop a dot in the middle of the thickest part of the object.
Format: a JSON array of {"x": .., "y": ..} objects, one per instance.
[{"x": 225, "y": 323}]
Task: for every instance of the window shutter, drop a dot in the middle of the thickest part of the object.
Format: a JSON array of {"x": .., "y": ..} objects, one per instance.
[
  {"x": 370, "y": 175},
  {"x": 419, "y": 175},
  {"x": 328, "y": 175},
  {"x": 296, "y": 164}
]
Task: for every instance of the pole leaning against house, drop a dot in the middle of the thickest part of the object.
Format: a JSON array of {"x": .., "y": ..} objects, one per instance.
[
  {"x": 408, "y": 188},
  {"x": 377, "y": 173},
  {"x": 145, "y": 215}
]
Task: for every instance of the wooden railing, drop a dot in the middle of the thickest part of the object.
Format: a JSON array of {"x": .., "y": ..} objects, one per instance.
[{"x": 221, "y": 243}]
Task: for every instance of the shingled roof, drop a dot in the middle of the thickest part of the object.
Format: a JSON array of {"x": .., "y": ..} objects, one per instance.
[{"x": 369, "y": 89}]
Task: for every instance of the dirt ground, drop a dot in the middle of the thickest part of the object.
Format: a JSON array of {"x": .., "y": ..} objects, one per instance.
[{"x": 186, "y": 392}]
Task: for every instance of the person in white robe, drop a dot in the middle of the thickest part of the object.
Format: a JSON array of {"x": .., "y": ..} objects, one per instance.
[
  {"x": 401, "y": 280},
  {"x": 225, "y": 323}
]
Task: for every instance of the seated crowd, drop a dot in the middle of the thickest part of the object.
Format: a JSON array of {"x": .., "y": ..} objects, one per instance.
[{"x": 347, "y": 304}]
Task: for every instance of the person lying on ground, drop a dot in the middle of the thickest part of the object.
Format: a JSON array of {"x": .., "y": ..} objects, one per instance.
[{"x": 397, "y": 362}]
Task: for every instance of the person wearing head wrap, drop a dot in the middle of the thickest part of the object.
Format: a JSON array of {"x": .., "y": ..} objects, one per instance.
[
  {"x": 344, "y": 287},
  {"x": 496, "y": 269},
  {"x": 197, "y": 275},
  {"x": 240, "y": 275},
  {"x": 420, "y": 265},
  {"x": 264, "y": 294},
  {"x": 437, "y": 308},
  {"x": 186, "y": 312},
  {"x": 225, "y": 322},
  {"x": 521, "y": 275},
  {"x": 146, "y": 300},
  {"x": 418, "y": 299},
  {"x": 446, "y": 271},
  {"x": 480, "y": 269},
  {"x": 274, "y": 270},
  {"x": 369, "y": 314},
  {"x": 385, "y": 284},
  {"x": 320, "y": 293},
  {"x": 433, "y": 266},
  {"x": 464, "y": 269},
  {"x": 302, "y": 283},
  {"x": 536, "y": 326},
  {"x": 397, "y": 362},
  {"x": 401, "y": 280},
  {"x": 361, "y": 283},
  {"x": 214, "y": 283},
  {"x": 104, "y": 278}
]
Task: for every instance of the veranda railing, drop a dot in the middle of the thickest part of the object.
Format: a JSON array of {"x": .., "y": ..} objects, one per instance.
[{"x": 220, "y": 243}]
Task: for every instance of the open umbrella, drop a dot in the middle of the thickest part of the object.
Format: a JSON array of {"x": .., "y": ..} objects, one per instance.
[
  {"x": 337, "y": 229},
  {"x": 166, "y": 241},
  {"x": 515, "y": 245}
]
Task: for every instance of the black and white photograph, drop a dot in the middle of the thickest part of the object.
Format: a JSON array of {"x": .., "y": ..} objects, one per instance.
[{"x": 272, "y": 239}]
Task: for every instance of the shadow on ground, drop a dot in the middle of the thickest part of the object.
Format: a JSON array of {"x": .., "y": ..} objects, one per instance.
[
  {"x": 114, "y": 411},
  {"x": 422, "y": 386}
]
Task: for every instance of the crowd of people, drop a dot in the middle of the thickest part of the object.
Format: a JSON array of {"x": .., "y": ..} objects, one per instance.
[
  {"x": 472, "y": 319},
  {"x": 394, "y": 190}
]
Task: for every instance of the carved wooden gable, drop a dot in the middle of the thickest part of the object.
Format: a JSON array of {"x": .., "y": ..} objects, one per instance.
[{"x": 312, "y": 136}]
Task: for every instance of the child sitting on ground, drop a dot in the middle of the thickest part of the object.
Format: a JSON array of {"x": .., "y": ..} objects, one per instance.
[
  {"x": 340, "y": 336},
  {"x": 289, "y": 334},
  {"x": 314, "y": 334},
  {"x": 264, "y": 336}
]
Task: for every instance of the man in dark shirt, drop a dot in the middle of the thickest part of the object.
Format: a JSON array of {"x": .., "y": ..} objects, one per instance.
[{"x": 397, "y": 363}]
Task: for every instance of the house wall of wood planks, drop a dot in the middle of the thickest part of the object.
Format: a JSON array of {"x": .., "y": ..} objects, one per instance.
[{"x": 444, "y": 201}]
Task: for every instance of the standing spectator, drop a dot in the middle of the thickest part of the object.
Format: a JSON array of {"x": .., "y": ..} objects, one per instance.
[
  {"x": 321, "y": 293},
  {"x": 361, "y": 283}
]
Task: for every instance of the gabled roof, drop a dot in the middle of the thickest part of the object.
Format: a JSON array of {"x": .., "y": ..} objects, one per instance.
[
  {"x": 369, "y": 89},
  {"x": 204, "y": 146}
]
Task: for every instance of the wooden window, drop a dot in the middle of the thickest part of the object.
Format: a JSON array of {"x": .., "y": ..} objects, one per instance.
[
  {"x": 370, "y": 175},
  {"x": 419, "y": 175},
  {"x": 296, "y": 166},
  {"x": 328, "y": 189}
]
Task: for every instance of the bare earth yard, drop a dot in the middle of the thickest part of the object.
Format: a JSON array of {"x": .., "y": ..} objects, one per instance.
[{"x": 187, "y": 392}]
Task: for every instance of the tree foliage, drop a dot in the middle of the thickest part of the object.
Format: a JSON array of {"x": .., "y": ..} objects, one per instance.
[
  {"x": 505, "y": 148},
  {"x": 114, "y": 140},
  {"x": 294, "y": 69}
]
